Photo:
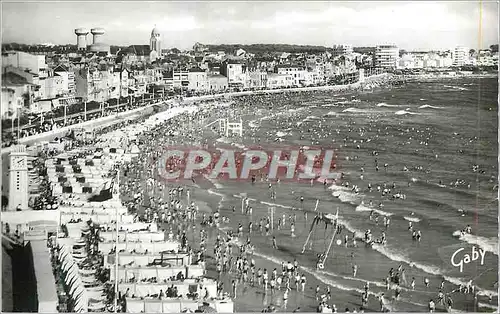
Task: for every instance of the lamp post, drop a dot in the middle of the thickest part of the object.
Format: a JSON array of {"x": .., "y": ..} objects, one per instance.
[
  {"x": 65, "y": 111},
  {"x": 18, "y": 131},
  {"x": 116, "y": 246}
]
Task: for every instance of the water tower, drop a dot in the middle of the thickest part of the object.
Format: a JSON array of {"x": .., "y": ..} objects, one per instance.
[
  {"x": 81, "y": 38},
  {"x": 97, "y": 35}
]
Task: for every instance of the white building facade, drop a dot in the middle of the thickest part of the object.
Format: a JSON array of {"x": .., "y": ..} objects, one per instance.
[
  {"x": 386, "y": 56},
  {"x": 36, "y": 64},
  {"x": 460, "y": 56}
]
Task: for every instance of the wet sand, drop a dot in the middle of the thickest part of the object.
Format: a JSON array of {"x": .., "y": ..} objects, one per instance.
[
  {"x": 346, "y": 290},
  {"x": 254, "y": 298}
]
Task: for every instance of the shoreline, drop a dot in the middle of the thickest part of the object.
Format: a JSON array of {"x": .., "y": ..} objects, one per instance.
[
  {"x": 50, "y": 135},
  {"x": 435, "y": 77},
  {"x": 343, "y": 296},
  {"x": 254, "y": 296}
]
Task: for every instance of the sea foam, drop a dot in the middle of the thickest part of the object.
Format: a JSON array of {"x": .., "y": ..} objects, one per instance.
[
  {"x": 383, "y": 104},
  {"x": 429, "y": 106},
  {"x": 487, "y": 244},
  {"x": 363, "y": 208},
  {"x": 412, "y": 219},
  {"x": 355, "y": 110},
  {"x": 404, "y": 112}
]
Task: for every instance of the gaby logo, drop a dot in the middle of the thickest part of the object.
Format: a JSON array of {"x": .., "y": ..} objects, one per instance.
[
  {"x": 459, "y": 262},
  {"x": 283, "y": 163}
]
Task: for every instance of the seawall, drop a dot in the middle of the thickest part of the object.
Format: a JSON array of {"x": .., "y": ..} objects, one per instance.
[{"x": 112, "y": 119}]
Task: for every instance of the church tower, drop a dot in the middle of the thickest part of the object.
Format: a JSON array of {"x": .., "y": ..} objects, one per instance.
[
  {"x": 18, "y": 177},
  {"x": 155, "y": 42}
]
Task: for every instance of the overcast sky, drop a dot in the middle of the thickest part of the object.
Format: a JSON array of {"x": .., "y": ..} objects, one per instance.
[{"x": 410, "y": 25}]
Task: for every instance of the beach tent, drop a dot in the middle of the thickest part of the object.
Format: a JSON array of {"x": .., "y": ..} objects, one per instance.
[
  {"x": 97, "y": 307},
  {"x": 134, "y": 149},
  {"x": 136, "y": 306},
  {"x": 224, "y": 306},
  {"x": 207, "y": 309},
  {"x": 155, "y": 306}
]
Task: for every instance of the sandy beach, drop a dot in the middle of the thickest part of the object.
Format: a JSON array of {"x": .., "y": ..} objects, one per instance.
[{"x": 372, "y": 266}]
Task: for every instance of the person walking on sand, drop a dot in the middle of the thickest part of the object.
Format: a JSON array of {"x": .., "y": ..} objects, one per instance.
[
  {"x": 233, "y": 288},
  {"x": 265, "y": 278},
  {"x": 275, "y": 245},
  {"x": 382, "y": 303},
  {"x": 449, "y": 302},
  {"x": 354, "y": 270},
  {"x": 259, "y": 277},
  {"x": 397, "y": 292},
  {"x": 297, "y": 282},
  {"x": 440, "y": 298},
  {"x": 426, "y": 282},
  {"x": 317, "y": 293},
  {"x": 364, "y": 299},
  {"x": 432, "y": 306},
  {"x": 292, "y": 230},
  {"x": 303, "y": 283},
  {"x": 272, "y": 284},
  {"x": 285, "y": 298}
]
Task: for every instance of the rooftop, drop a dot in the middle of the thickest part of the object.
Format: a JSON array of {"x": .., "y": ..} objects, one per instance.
[
  {"x": 12, "y": 79},
  {"x": 196, "y": 69}
]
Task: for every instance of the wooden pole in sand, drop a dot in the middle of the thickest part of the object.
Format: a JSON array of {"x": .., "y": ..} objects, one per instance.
[{"x": 272, "y": 219}]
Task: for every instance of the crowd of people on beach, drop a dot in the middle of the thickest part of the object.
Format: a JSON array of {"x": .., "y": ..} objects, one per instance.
[
  {"x": 230, "y": 258},
  {"x": 174, "y": 208}
]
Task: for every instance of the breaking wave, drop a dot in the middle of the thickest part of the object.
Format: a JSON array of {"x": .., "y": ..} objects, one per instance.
[
  {"x": 383, "y": 104},
  {"x": 412, "y": 219},
  {"x": 487, "y": 244},
  {"x": 355, "y": 110},
  {"x": 404, "y": 112},
  {"x": 429, "y": 106},
  {"x": 363, "y": 208}
]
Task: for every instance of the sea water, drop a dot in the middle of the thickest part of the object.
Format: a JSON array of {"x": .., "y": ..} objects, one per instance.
[{"x": 439, "y": 131}]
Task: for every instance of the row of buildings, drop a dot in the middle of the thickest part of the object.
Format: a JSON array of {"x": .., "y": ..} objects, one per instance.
[
  {"x": 389, "y": 56},
  {"x": 33, "y": 83}
]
